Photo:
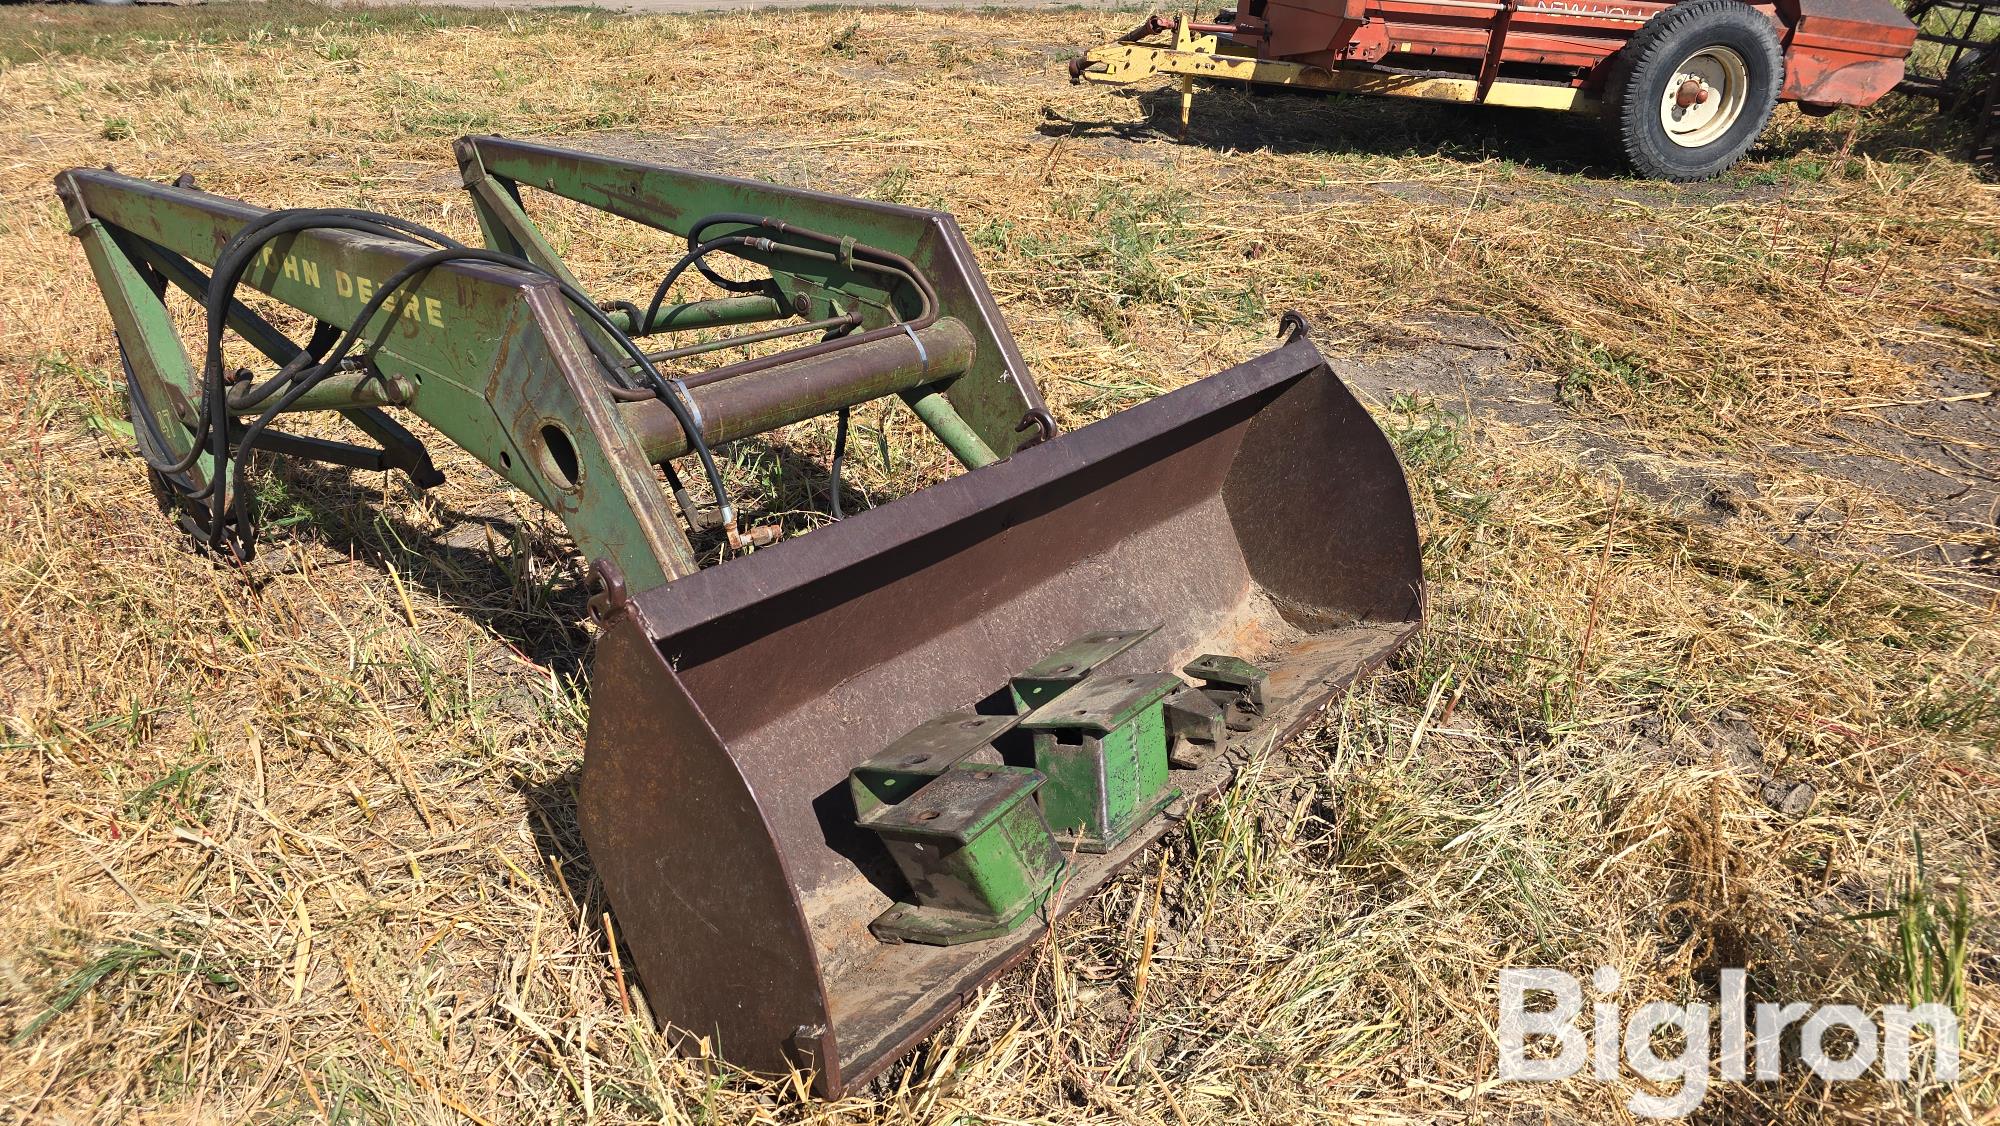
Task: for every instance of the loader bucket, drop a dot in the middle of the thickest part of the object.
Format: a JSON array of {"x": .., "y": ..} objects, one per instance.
[
  {"x": 1255, "y": 519},
  {"x": 835, "y": 784}
]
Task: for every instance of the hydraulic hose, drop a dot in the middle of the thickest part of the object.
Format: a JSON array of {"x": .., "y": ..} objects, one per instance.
[
  {"x": 846, "y": 252},
  {"x": 227, "y": 505}
]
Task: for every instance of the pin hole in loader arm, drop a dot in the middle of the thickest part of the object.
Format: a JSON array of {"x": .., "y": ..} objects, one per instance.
[{"x": 220, "y": 505}]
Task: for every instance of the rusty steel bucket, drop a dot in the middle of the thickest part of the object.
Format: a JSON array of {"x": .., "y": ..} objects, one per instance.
[{"x": 1258, "y": 513}]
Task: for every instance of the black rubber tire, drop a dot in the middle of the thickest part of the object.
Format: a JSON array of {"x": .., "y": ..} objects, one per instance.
[
  {"x": 1643, "y": 67},
  {"x": 1968, "y": 79}
]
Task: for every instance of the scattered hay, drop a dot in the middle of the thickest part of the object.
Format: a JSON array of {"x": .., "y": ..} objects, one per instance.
[{"x": 302, "y": 847}]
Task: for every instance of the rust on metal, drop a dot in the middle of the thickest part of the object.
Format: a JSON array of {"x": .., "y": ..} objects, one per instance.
[
  {"x": 806, "y": 388},
  {"x": 1259, "y": 512},
  {"x": 822, "y": 778}
]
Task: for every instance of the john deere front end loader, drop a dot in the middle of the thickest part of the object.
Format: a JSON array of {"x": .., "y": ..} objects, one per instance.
[{"x": 835, "y": 782}]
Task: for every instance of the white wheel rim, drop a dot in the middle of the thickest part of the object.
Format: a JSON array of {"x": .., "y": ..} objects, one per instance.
[{"x": 1705, "y": 97}]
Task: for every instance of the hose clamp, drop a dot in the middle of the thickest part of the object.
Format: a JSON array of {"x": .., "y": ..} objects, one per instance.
[{"x": 694, "y": 412}]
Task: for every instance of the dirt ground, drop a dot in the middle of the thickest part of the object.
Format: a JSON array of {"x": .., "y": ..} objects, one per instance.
[
  {"x": 1931, "y": 454},
  {"x": 1707, "y": 479}
]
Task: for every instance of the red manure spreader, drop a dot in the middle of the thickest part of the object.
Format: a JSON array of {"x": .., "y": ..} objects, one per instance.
[{"x": 1684, "y": 88}]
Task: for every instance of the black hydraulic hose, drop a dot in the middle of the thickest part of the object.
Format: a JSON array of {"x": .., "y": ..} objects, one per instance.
[
  {"x": 839, "y": 442},
  {"x": 227, "y": 503},
  {"x": 211, "y": 427},
  {"x": 235, "y": 259},
  {"x": 707, "y": 271},
  {"x": 327, "y": 352},
  {"x": 146, "y": 432},
  {"x": 694, "y": 257},
  {"x": 847, "y": 252},
  {"x": 668, "y": 390},
  {"x": 243, "y": 248},
  {"x": 620, "y": 386}
]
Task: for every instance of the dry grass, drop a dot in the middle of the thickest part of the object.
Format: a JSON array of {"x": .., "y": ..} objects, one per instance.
[{"x": 300, "y": 847}]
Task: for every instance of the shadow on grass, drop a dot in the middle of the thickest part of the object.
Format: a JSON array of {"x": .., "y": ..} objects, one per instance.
[
  {"x": 519, "y": 584},
  {"x": 1892, "y": 130},
  {"x": 1231, "y": 119}
]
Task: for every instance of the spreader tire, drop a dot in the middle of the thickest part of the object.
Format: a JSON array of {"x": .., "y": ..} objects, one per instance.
[{"x": 1688, "y": 95}]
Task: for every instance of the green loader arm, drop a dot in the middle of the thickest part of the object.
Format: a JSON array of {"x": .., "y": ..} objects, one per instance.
[{"x": 488, "y": 353}]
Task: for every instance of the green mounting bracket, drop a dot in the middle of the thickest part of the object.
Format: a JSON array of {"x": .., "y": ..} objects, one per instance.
[
  {"x": 926, "y": 752},
  {"x": 978, "y": 856},
  {"x": 1056, "y": 673},
  {"x": 1232, "y": 682},
  {"x": 1103, "y": 746}
]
